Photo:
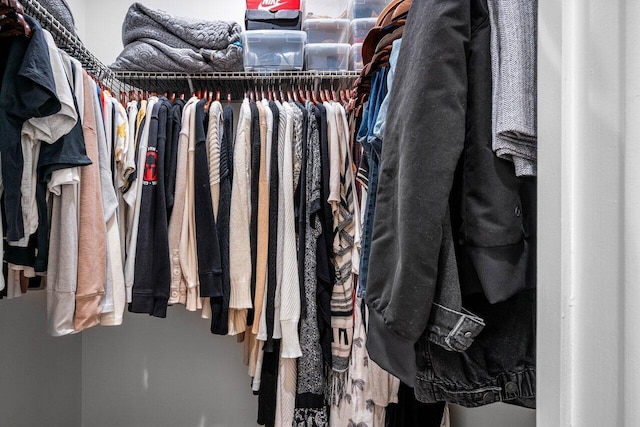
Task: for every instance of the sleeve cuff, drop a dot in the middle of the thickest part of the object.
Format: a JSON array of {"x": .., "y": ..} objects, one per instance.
[
  {"x": 240, "y": 295},
  {"x": 290, "y": 340},
  {"x": 390, "y": 351}
]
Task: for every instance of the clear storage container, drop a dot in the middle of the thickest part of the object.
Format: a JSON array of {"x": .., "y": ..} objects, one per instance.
[
  {"x": 368, "y": 8},
  {"x": 327, "y": 57},
  {"x": 332, "y": 9},
  {"x": 273, "y": 50},
  {"x": 356, "y": 63},
  {"x": 327, "y": 30},
  {"x": 360, "y": 27}
]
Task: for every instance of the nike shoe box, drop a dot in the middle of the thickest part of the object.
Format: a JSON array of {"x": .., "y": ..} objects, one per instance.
[
  {"x": 258, "y": 19},
  {"x": 273, "y": 15},
  {"x": 273, "y": 5}
]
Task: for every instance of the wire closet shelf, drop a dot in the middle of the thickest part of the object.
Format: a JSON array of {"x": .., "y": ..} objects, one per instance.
[{"x": 235, "y": 84}]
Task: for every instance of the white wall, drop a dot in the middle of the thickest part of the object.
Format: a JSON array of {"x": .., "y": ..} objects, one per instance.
[
  {"x": 40, "y": 376},
  {"x": 79, "y": 9},
  {"x": 164, "y": 373}
]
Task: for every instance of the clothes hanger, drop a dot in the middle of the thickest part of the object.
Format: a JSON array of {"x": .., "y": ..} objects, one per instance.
[
  {"x": 11, "y": 6},
  {"x": 208, "y": 98},
  {"x": 228, "y": 99},
  {"x": 309, "y": 94},
  {"x": 14, "y": 25},
  {"x": 217, "y": 96}
]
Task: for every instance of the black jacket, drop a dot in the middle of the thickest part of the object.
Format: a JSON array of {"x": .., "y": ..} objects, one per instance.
[{"x": 452, "y": 225}]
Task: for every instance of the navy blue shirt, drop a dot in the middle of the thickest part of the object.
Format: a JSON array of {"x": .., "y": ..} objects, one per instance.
[{"x": 27, "y": 90}]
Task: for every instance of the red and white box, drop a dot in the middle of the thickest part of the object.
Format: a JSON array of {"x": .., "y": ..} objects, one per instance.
[{"x": 273, "y": 5}]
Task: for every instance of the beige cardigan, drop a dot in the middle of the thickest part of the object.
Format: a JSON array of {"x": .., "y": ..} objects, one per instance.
[
  {"x": 178, "y": 290},
  {"x": 188, "y": 247},
  {"x": 240, "y": 267}
]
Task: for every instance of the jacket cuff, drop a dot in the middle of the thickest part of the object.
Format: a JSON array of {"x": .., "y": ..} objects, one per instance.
[
  {"x": 390, "y": 351},
  {"x": 290, "y": 340},
  {"x": 453, "y": 330}
]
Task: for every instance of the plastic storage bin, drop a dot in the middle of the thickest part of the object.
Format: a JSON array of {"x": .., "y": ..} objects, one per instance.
[
  {"x": 360, "y": 27},
  {"x": 327, "y": 57},
  {"x": 356, "y": 63},
  {"x": 368, "y": 8},
  {"x": 327, "y": 30},
  {"x": 332, "y": 9},
  {"x": 273, "y": 50}
]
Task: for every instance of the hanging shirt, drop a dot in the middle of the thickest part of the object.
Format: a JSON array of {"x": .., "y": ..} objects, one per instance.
[
  {"x": 28, "y": 90},
  {"x": 44, "y": 130},
  {"x": 132, "y": 197},
  {"x": 62, "y": 268}
]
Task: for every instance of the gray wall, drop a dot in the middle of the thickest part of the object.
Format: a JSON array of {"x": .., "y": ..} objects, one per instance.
[
  {"x": 40, "y": 376},
  {"x": 497, "y": 415},
  {"x": 164, "y": 372}
]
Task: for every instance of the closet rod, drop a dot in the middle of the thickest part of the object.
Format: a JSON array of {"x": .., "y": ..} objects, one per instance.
[{"x": 237, "y": 83}]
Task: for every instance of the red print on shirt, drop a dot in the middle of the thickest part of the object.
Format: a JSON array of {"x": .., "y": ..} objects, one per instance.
[{"x": 151, "y": 168}]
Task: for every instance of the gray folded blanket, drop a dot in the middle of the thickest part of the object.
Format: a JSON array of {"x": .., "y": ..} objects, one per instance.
[
  {"x": 157, "y": 41},
  {"x": 62, "y": 12}
]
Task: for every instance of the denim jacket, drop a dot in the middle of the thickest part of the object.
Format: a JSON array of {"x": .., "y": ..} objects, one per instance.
[{"x": 453, "y": 224}]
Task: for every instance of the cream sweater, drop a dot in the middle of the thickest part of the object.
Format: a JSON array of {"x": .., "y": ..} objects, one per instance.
[
  {"x": 178, "y": 290},
  {"x": 290, "y": 287},
  {"x": 188, "y": 247},
  {"x": 240, "y": 251}
]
